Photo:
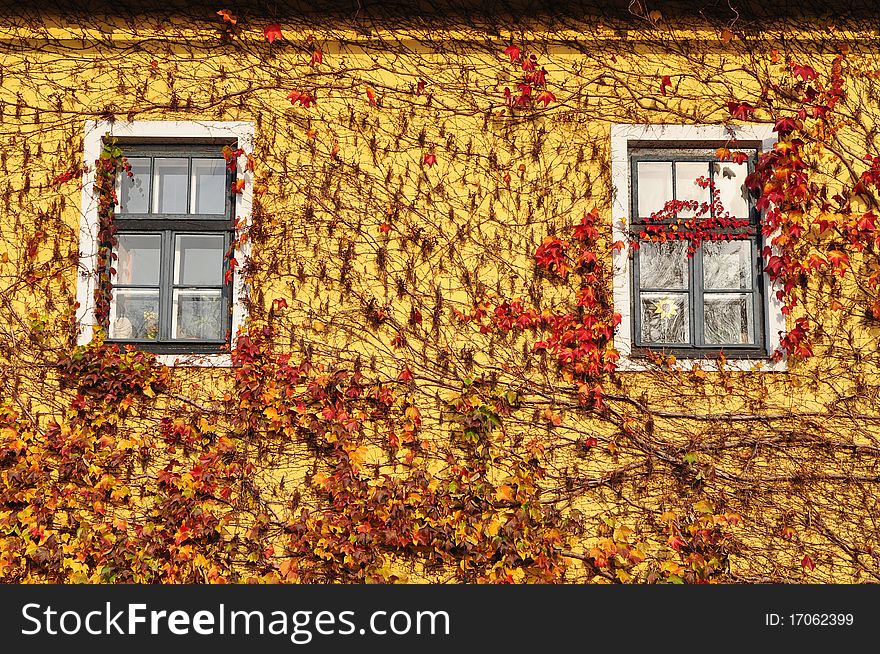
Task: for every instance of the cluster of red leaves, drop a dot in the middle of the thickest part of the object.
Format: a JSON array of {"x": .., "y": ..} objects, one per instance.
[
  {"x": 110, "y": 164},
  {"x": 708, "y": 221},
  {"x": 801, "y": 248},
  {"x": 581, "y": 340},
  {"x": 532, "y": 90},
  {"x": 304, "y": 98}
]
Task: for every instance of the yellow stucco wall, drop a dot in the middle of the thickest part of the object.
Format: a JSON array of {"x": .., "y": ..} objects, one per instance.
[{"x": 329, "y": 175}]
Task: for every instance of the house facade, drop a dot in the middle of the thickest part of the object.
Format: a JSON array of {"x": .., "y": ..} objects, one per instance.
[{"x": 383, "y": 295}]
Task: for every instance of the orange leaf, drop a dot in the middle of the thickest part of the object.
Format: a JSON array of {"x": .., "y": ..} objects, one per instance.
[
  {"x": 238, "y": 186},
  {"x": 317, "y": 57},
  {"x": 504, "y": 493},
  {"x": 545, "y": 97},
  {"x": 551, "y": 417},
  {"x": 228, "y": 16},
  {"x": 371, "y": 96}
]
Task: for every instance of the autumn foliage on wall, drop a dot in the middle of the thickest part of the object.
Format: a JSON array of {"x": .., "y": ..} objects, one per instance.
[{"x": 427, "y": 386}]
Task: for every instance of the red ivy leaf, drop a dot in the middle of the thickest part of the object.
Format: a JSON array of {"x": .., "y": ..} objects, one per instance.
[
  {"x": 807, "y": 563},
  {"x": 666, "y": 81},
  {"x": 786, "y": 126},
  {"x": 742, "y": 111},
  {"x": 371, "y": 96},
  {"x": 430, "y": 159},
  {"x": 513, "y": 52},
  {"x": 806, "y": 73},
  {"x": 385, "y": 228},
  {"x": 238, "y": 186},
  {"x": 317, "y": 58},
  {"x": 304, "y": 98},
  {"x": 420, "y": 87},
  {"x": 272, "y": 32}
]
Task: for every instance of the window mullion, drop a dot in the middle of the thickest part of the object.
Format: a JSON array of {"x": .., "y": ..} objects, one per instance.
[
  {"x": 165, "y": 284},
  {"x": 698, "y": 337}
]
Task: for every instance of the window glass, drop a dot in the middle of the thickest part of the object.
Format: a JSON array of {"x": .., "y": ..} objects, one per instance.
[
  {"x": 197, "y": 314},
  {"x": 728, "y": 318},
  {"x": 198, "y": 259},
  {"x": 688, "y": 176},
  {"x": 663, "y": 265},
  {"x": 727, "y": 265},
  {"x": 137, "y": 259},
  {"x": 134, "y": 191},
  {"x": 730, "y": 181},
  {"x": 170, "y": 176},
  {"x": 134, "y": 314},
  {"x": 665, "y": 318},
  {"x": 654, "y": 186},
  {"x": 208, "y": 186}
]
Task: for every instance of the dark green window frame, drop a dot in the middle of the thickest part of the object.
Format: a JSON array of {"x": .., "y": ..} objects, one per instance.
[
  {"x": 168, "y": 227},
  {"x": 697, "y": 347}
]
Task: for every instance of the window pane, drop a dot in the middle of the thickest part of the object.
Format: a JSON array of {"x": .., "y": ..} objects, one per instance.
[
  {"x": 727, "y": 264},
  {"x": 198, "y": 259},
  {"x": 665, "y": 318},
  {"x": 170, "y": 185},
  {"x": 208, "y": 186},
  {"x": 663, "y": 265},
  {"x": 686, "y": 187},
  {"x": 134, "y": 191},
  {"x": 728, "y": 318},
  {"x": 730, "y": 180},
  {"x": 138, "y": 257},
  {"x": 654, "y": 186},
  {"x": 134, "y": 314},
  {"x": 197, "y": 315}
]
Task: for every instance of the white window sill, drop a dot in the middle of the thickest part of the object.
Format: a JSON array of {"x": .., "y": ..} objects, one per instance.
[
  {"x": 637, "y": 364},
  {"x": 195, "y": 360}
]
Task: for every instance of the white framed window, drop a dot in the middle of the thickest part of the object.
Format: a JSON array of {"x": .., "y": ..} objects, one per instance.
[
  {"x": 174, "y": 291},
  {"x": 694, "y": 298}
]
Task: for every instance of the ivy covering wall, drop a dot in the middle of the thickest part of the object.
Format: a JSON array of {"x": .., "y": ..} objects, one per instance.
[{"x": 427, "y": 388}]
